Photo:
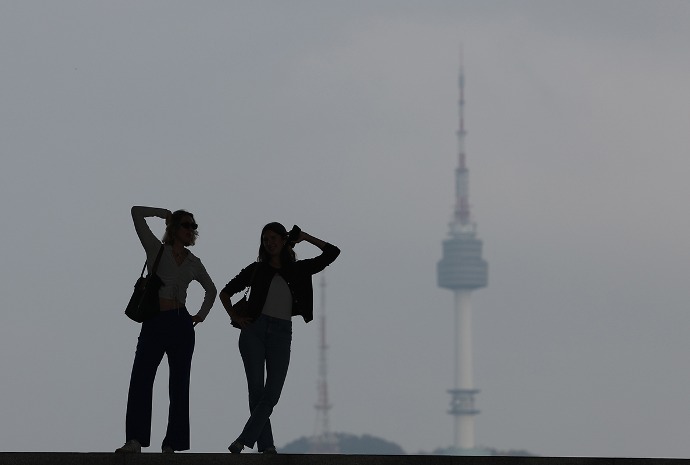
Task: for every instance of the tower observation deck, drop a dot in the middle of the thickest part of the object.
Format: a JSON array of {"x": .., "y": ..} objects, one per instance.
[
  {"x": 462, "y": 270},
  {"x": 462, "y": 266}
]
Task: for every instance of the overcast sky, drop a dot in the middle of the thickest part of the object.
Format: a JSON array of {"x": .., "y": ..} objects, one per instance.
[{"x": 340, "y": 116}]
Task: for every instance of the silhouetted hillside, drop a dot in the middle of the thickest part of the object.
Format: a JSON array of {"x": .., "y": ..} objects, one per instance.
[
  {"x": 483, "y": 451},
  {"x": 349, "y": 444}
]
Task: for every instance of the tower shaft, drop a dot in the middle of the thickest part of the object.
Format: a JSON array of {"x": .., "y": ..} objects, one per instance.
[{"x": 462, "y": 394}]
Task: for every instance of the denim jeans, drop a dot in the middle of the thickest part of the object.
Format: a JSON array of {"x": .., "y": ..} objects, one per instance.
[
  {"x": 170, "y": 332},
  {"x": 265, "y": 349}
]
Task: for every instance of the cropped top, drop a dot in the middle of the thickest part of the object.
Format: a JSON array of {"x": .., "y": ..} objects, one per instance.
[
  {"x": 278, "y": 302},
  {"x": 176, "y": 278}
]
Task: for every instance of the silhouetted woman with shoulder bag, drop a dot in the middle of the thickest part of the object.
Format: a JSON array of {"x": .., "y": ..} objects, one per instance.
[{"x": 170, "y": 332}]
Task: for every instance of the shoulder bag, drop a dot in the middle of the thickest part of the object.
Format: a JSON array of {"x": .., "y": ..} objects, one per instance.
[
  {"x": 241, "y": 307},
  {"x": 144, "y": 303}
]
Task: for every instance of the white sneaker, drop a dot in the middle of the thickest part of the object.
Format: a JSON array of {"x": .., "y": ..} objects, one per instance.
[{"x": 131, "y": 446}]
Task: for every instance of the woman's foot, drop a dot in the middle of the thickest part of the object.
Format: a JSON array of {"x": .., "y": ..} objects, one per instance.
[
  {"x": 270, "y": 450},
  {"x": 131, "y": 447},
  {"x": 236, "y": 447}
]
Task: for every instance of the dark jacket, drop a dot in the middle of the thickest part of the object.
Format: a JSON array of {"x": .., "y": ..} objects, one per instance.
[{"x": 297, "y": 275}]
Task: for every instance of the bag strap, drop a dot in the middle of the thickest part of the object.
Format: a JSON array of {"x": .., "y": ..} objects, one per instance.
[
  {"x": 251, "y": 280},
  {"x": 155, "y": 263}
]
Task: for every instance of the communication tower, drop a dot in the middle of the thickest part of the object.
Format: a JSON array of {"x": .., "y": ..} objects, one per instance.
[
  {"x": 323, "y": 441},
  {"x": 462, "y": 270}
]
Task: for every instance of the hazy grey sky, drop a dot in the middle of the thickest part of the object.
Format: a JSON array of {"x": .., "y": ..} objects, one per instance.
[{"x": 340, "y": 117}]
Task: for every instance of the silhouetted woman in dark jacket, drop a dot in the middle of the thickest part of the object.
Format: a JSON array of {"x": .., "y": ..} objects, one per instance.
[{"x": 281, "y": 287}]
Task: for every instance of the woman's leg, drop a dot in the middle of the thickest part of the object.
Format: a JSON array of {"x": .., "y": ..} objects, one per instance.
[
  {"x": 148, "y": 356},
  {"x": 275, "y": 337},
  {"x": 180, "y": 349},
  {"x": 253, "y": 351}
]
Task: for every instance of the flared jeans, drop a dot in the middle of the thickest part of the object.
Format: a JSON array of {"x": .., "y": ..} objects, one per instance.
[
  {"x": 265, "y": 349},
  {"x": 169, "y": 333}
]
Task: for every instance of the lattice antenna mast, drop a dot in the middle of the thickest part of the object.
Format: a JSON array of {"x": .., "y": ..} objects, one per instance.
[{"x": 324, "y": 442}]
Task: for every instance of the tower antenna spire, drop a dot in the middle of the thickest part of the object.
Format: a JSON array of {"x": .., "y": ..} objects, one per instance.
[{"x": 462, "y": 203}]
